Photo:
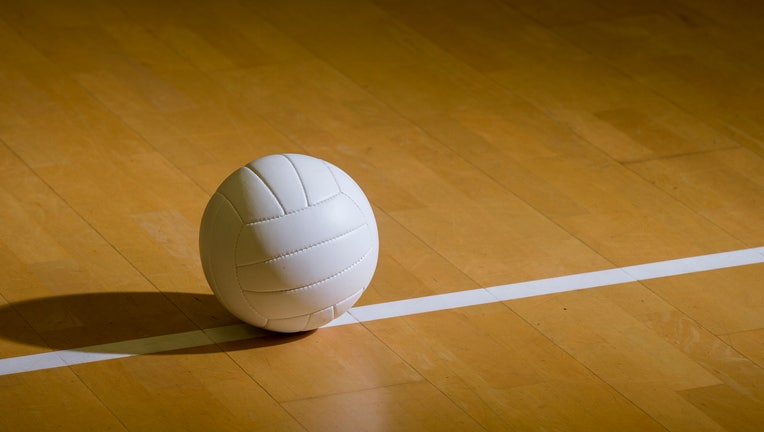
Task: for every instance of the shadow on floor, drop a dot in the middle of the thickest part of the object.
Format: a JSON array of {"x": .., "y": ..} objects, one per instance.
[{"x": 76, "y": 321}]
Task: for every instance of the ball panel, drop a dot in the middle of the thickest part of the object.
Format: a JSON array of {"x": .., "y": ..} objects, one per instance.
[
  {"x": 282, "y": 179},
  {"x": 217, "y": 235},
  {"x": 314, "y": 320},
  {"x": 307, "y": 266},
  {"x": 306, "y": 300},
  {"x": 319, "y": 318},
  {"x": 289, "y": 325},
  {"x": 318, "y": 181},
  {"x": 250, "y": 196},
  {"x": 350, "y": 188},
  {"x": 295, "y": 231}
]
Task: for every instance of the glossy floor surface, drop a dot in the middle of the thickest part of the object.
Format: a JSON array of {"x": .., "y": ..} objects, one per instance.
[{"x": 498, "y": 142}]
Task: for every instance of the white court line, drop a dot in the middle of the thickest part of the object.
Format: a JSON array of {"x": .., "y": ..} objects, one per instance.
[{"x": 392, "y": 309}]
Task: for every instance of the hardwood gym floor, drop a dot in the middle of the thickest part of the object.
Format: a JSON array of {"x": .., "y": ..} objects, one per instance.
[{"x": 499, "y": 141}]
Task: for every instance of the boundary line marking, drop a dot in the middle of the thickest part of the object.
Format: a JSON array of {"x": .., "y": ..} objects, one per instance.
[{"x": 399, "y": 308}]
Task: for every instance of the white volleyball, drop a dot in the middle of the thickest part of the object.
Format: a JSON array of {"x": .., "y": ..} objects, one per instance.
[{"x": 288, "y": 242}]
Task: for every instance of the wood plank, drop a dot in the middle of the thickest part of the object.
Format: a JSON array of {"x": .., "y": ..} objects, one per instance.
[
  {"x": 197, "y": 389},
  {"x": 722, "y": 301},
  {"x": 721, "y": 186},
  {"x": 505, "y": 373},
  {"x": 401, "y": 407},
  {"x": 623, "y": 352},
  {"x": 343, "y": 359},
  {"x": 53, "y": 400}
]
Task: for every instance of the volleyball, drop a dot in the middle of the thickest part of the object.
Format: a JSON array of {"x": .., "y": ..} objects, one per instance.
[{"x": 288, "y": 242}]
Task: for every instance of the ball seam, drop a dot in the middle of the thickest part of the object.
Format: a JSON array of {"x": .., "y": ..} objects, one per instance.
[
  {"x": 238, "y": 281},
  {"x": 230, "y": 203},
  {"x": 299, "y": 178},
  {"x": 271, "y": 218},
  {"x": 267, "y": 186},
  {"x": 303, "y": 249},
  {"x": 322, "y": 281},
  {"x": 214, "y": 284},
  {"x": 334, "y": 177},
  {"x": 342, "y": 192}
]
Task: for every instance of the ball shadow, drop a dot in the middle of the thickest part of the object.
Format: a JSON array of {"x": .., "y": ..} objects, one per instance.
[{"x": 77, "y": 321}]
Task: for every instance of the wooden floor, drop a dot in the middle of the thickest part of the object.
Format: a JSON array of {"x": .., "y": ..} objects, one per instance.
[{"x": 498, "y": 142}]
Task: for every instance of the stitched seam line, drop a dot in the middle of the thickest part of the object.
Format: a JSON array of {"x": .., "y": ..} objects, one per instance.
[
  {"x": 228, "y": 201},
  {"x": 342, "y": 192},
  {"x": 299, "y": 178},
  {"x": 332, "y": 307},
  {"x": 268, "y": 219},
  {"x": 303, "y": 249},
  {"x": 236, "y": 246},
  {"x": 322, "y": 281},
  {"x": 329, "y": 167},
  {"x": 267, "y": 186}
]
